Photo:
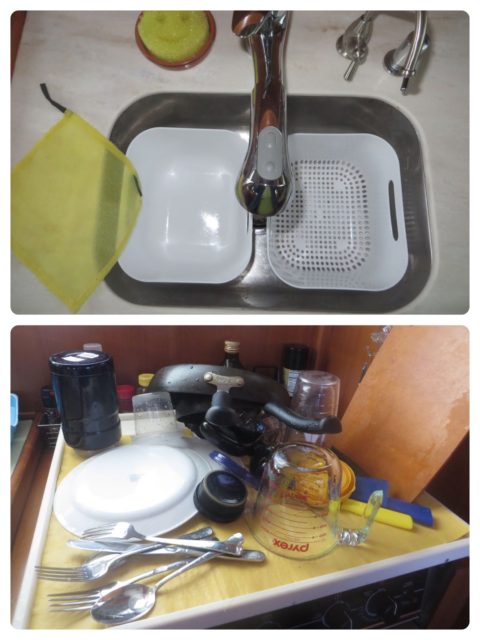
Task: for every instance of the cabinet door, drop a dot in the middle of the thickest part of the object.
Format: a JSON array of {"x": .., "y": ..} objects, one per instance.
[{"x": 411, "y": 410}]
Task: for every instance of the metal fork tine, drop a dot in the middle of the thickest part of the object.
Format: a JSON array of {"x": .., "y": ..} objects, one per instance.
[
  {"x": 63, "y": 577},
  {"x": 59, "y": 572},
  {"x": 105, "y": 525},
  {"x": 59, "y": 597},
  {"x": 97, "y": 535},
  {"x": 41, "y": 568},
  {"x": 95, "y": 531},
  {"x": 72, "y": 601},
  {"x": 84, "y": 607}
]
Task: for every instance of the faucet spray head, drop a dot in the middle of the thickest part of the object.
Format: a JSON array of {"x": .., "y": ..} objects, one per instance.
[{"x": 247, "y": 23}]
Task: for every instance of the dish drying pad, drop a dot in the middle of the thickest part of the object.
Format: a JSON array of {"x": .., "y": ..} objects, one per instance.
[
  {"x": 75, "y": 198},
  {"x": 344, "y": 227}
]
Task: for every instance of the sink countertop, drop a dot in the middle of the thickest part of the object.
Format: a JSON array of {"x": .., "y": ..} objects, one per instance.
[{"x": 90, "y": 63}]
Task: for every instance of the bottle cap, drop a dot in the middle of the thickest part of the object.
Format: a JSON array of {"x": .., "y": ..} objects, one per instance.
[
  {"x": 231, "y": 346},
  {"x": 92, "y": 346},
  {"x": 144, "y": 379},
  {"x": 220, "y": 496}
]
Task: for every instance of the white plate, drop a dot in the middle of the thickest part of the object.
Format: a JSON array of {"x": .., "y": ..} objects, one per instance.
[
  {"x": 191, "y": 227},
  {"x": 148, "y": 484}
]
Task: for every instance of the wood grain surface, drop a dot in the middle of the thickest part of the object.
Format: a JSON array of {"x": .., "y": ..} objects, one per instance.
[{"x": 411, "y": 410}]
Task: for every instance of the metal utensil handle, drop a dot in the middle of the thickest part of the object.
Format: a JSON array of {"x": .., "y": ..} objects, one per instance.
[
  {"x": 119, "y": 546},
  {"x": 232, "y": 546},
  {"x": 178, "y": 564},
  {"x": 113, "y": 560},
  {"x": 191, "y": 564},
  {"x": 248, "y": 555}
]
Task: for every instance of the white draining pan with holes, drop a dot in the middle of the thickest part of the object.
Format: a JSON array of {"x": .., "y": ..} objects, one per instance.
[
  {"x": 344, "y": 227},
  {"x": 191, "y": 227}
]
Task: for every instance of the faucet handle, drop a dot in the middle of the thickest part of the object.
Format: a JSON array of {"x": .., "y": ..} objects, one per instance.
[
  {"x": 353, "y": 45},
  {"x": 352, "y": 67}
]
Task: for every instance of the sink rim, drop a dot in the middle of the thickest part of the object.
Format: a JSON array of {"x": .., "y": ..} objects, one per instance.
[{"x": 258, "y": 289}]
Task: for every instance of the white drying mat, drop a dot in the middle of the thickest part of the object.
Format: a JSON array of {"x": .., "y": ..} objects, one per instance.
[{"x": 344, "y": 227}]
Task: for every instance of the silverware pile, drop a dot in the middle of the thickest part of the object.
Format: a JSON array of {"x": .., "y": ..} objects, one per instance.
[{"x": 124, "y": 601}]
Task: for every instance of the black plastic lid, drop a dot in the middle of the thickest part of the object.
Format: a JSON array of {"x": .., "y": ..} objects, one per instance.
[
  {"x": 295, "y": 356},
  {"x": 80, "y": 363},
  {"x": 220, "y": 496}
]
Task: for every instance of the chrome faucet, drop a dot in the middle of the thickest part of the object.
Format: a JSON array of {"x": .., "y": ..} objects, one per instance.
[
  {"x": 403, "y": 61},
  {"x": 265, "y": 183}
]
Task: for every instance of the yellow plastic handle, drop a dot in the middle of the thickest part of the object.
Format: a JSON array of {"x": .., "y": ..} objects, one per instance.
[{"x": 386, "y": 516}]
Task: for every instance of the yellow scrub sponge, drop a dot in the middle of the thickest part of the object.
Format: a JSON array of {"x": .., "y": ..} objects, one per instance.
[{"x": 173, "y": 35}]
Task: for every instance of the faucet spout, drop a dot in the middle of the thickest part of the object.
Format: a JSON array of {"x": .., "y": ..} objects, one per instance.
[
  {"x": 404, "y": 60},
  {"x": 265, "y": 183}
]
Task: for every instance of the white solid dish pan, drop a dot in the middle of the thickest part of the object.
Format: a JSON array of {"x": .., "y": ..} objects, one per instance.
[{"x": 191, "y": 228}]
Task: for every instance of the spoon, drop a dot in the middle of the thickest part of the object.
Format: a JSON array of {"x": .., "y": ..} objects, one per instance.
[{"x": 136, "y": 600}]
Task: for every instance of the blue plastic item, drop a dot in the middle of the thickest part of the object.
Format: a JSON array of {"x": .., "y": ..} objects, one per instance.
[
  {"x": 234, "y": 467},
  {"x": 13, "y": 412},
  {"x": 365, "y": 486}
]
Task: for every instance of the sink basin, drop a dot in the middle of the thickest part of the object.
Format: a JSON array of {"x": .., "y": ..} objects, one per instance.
[{"x": 258, "y": 287}]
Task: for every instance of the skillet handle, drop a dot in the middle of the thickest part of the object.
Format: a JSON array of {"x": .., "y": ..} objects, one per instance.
[{"x": 325, "y": 424}]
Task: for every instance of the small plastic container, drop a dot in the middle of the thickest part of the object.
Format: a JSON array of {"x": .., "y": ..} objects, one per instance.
[
  {"x": 125, "y": 393},
  {"x": 154, "y": 414},
  {"x": 13, "y": 413}
]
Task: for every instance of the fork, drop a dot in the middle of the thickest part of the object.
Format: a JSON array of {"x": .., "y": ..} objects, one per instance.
[
  {"x": 126, "y": 531},
  {"x": 84, "y": 600},
  {"x": 95, "y": 568},
  {"x": 99, "y": 566}
]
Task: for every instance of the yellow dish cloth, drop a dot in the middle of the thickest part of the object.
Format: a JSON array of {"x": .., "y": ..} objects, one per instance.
[{"x": 75, "y": 198}]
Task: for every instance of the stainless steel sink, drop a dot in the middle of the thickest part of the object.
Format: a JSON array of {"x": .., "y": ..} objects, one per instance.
[{"x": 258, "y": 288}]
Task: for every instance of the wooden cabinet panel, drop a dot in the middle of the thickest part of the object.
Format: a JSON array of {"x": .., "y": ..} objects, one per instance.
[
  {"x": 411, "y": 410},
  {"x": 137, "y": 349}
]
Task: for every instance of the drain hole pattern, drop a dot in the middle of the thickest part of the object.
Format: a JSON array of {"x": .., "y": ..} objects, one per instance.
[{"x": 325, "y": 229}]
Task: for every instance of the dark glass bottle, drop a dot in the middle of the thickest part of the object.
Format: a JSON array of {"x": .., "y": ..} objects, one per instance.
[
  {"x": 231, "y": 355},
  {"x": 295, "y": 358}
]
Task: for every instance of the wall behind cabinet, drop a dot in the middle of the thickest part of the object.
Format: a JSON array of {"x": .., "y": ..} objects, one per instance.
[{"x": 138, "y": 349}]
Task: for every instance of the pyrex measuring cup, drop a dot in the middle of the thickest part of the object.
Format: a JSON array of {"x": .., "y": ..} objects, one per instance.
[{"x": 298, "y": 502}]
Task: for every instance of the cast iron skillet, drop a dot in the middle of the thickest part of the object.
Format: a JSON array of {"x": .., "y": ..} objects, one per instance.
[{"x": 226, "y": 406}]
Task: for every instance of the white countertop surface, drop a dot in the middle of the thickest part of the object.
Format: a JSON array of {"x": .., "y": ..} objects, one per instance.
[{"x": 90, "y": 63}]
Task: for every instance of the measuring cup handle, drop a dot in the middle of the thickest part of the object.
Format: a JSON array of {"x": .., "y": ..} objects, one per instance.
[{"x": 354, "y": 537}]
